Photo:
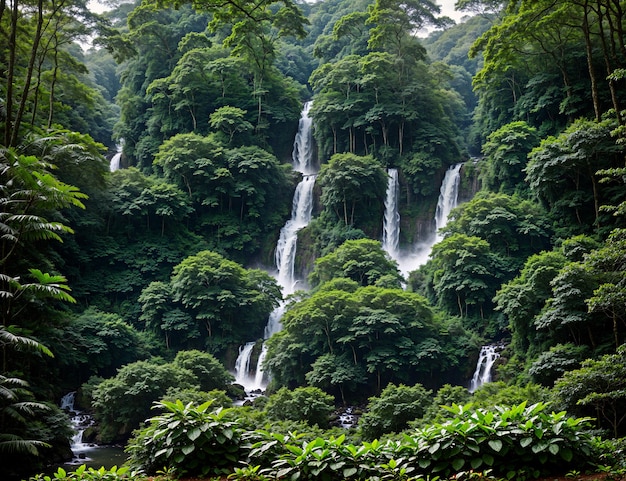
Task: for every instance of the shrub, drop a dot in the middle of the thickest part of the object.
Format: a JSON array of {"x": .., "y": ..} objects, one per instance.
[
  {"x": 393, "y": 409},
  {"x": 308, "y": 404},
  {"x": 512, "y": 441},
  {"x": 83, "y": 473},
  {"x": 191, "y": 440}
]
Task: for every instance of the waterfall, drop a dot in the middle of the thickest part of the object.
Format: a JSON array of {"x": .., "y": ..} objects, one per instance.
[
  {"x": 482, "y": 374},
  {"x": 242, "y": 364},
  {"x": 302, "y": 153},
  {"x": 391, "y": 221},
  {"x": 448, "y": 198},
  {"x": 285, "y": 254},
  {"x": 79, "y": 421},
  {"x": 115, "y": 162}
]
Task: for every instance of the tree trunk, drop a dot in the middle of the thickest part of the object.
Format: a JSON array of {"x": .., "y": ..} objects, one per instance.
[
  {"x": 8, "y": 126},
  {"x": 53, "y": 87},
  {"x": 29, "y": 73},
  {"x": 589, "y": 51}
]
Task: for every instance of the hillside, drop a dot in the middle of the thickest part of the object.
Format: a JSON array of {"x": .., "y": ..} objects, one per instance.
[{"x": 310, "y": 200}]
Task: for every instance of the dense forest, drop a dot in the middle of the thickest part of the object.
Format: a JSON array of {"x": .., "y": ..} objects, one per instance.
[{"x": 139, "y": 282}]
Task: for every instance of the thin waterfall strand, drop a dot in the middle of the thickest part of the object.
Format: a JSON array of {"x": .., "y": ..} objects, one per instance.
[
  {"x": 391, "y": 221},
  {"x": 448, "y": 198}
]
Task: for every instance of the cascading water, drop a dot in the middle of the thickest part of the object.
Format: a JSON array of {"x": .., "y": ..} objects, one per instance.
[
  {"x": 80, "y": 421},
  {"x": 285, "y": 255},
  {"x": 486, "y": 359},
  {"x": 448, "y": 200},
  {"x": 391, "y": 221},
  {"x": 115, "y": 162}
]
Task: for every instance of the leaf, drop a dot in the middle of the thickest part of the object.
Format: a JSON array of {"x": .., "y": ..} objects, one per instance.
[
  {"x": 458, "y": 463},
  {"x": 567, "y": 454},
  {"x": 525, "y": 442},
  {"x": 188, "y": 449},
  {"x": 349, "y": 472},
  {"x": 495, "y": 444},
  {"x": 554, "y": 449},
  {"x": 194, "y": 434},
  {"x": 434, "y": 448}
]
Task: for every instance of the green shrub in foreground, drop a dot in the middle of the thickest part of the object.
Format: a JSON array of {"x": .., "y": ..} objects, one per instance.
[
  {"x": 191, "y": 440},
  {"x": 518, "y": 442},
  {"x": 521, "y": 440},
  {"x": 83, "y": 473}
]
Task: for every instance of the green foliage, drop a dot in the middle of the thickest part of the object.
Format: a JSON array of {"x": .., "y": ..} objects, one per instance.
[
  {"x": 500, "y": 393},
  {"x": 553, "y": 363},
  {"x": 523, "y": 298},
  {"x": 597, "y": 388},
  {"x": 192, "y": 440},
  {"x": 393, "y": 409},
  {"x": 228, "y": 301},
  {"x": 562, "y": 173},
  {"x": 354, "y": 188},
  {"x": 82, "y": 473},
  {"x": 209, "y": 372},
  {"x": 308, "y": 404},
  {"x": 518, "y": 441},
  {"x": 506, "y": 152},
  {"x": 362, "y": 260},
  {"x": 99, "y": 343},
  {"x": 389, "y": 335},
  {"x": 122, "y": 402}
]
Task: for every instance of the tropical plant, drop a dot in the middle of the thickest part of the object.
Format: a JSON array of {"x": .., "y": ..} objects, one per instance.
[
  {"x": 517, "y": 441},
  {"x": 193, "y": 440}
]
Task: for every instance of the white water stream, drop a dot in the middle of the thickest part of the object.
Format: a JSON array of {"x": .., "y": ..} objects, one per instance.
[
  {"x": 448, "y": 200},
  {"x": 285, "y": 254},
  {"x": 487, "y": 357}
]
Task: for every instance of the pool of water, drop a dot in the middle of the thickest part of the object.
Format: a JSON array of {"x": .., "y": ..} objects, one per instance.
[{"x": 96, "y": 457}]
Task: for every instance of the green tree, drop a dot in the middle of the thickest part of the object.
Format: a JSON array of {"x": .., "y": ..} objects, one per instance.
[
  {"x": 231, "y": 303},
  {"x": 122, "y": 402},
  {"x": 354, "y": 188},
  {"x": 330, "y": 372},
  {"x": 523, "y": 298},
  {"x": 597, "y": 389},
  {"x": 99, "y": 343},
  {"x": 506, "y": 152},
  {"x": 514, "y": 228},
  {"x": 229, "y": 120},
  {"x": 362, "y": 260},
  {"x": 562, "y": 173},
  {"x": 466, "y": 273},
  {"x": 209, "y": 372},
  {"x": 609, "y": 297},
  {"x": 387, "y": 335}
]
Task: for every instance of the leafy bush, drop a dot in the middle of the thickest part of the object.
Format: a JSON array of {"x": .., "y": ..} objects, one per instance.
[
  {"x": 83, "y": 473},
  {"x": 191, "y": 440},
  {"x": 512, "y": 441},
  {"x": 309, "y": 404},
  {"x": 394, "y": 409}
]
